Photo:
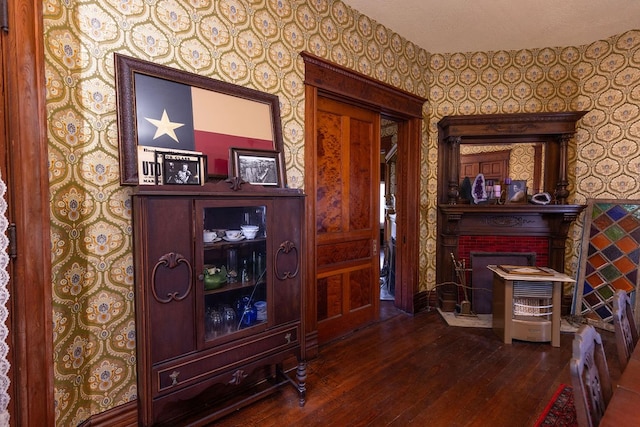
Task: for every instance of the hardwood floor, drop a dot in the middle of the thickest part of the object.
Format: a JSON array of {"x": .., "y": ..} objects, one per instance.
[{"x": 416, "y": 370}]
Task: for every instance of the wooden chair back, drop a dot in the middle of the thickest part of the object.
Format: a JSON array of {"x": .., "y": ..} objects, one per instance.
[
  {"x": 589, "y": 376},
  {"x": 624, "y": 325}
]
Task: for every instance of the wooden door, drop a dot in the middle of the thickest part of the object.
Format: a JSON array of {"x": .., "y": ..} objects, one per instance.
[
  {"x": 347, "y": 226},
  {"x": 493, "y": 165}
]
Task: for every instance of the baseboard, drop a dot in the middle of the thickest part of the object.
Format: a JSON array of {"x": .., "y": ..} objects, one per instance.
[{"x": 121, "y": 416}]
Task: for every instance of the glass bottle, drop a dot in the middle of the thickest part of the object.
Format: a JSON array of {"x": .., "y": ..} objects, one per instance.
[
  {"x": 260, "y": 267},
  {"x": 245, "y": 274},
  {"x": 232, "y": 265}
]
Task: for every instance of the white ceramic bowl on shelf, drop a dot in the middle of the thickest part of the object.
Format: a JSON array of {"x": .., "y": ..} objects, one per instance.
[{"x": 249, "y": 231}]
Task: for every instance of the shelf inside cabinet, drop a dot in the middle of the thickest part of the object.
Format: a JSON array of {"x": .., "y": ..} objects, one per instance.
[
  {"x": 226, "y": 330},
  {"x": 227, "y": 287},
  {"x": 243, "y": 242}
]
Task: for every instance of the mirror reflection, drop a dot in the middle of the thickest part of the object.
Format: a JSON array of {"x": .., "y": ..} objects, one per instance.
[{"x": 500, "y": 163}]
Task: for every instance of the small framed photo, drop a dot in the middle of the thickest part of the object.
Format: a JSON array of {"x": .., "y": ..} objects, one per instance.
[
  {"x": 183, "y": 169},
  {"x": 260, "y": 167},
  {"x": 517, "y": 191}
]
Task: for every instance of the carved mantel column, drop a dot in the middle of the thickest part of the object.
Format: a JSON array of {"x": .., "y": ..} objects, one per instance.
[
  {"x": 561, "y": 186},
  {"x": 453, "y": 144}
]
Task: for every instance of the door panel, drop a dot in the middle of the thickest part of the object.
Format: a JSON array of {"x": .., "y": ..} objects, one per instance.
[
  {"x": 493, "y": 165},
  {"x": 347, "y": 229}
]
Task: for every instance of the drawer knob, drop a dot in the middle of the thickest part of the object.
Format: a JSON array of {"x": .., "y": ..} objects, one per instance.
[
  {"x": 174, "y": 377},
  {"x": 238, "y": 376},
  {"x": 288, "y": 338}
]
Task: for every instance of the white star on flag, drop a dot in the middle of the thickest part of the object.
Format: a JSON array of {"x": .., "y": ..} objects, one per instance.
[{"x": 165, "y": 126}]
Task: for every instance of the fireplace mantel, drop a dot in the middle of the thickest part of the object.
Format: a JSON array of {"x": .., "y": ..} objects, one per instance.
[
  {"x": 514, "y": 221},
  {"x": 513, "y": 227},
  {"x": 508, "y": 220}
]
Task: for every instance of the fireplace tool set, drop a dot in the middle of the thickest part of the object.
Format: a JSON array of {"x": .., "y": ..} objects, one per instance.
[{"x": 461, "y": 273}]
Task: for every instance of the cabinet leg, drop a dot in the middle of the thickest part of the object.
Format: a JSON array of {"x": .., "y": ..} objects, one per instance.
[{"x": 301, "y": 376}]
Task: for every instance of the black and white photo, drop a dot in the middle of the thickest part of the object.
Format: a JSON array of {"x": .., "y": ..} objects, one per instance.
[
  {"x": 260, "y": 167},
  {"x": 517, "y": 191},
  {"x": 182, "y": 169}
]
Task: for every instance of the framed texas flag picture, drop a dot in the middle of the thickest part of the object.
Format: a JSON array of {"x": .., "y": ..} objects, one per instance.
[{"x": 162, "y": 108}]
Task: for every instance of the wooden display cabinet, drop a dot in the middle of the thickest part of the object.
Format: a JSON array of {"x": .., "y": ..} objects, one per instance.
[{"x": 202, "y": 353}]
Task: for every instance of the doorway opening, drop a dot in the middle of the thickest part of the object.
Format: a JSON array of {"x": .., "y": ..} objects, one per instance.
[
  {"x": 338, "y": 130},
  {"x": 388, "y": 217}
]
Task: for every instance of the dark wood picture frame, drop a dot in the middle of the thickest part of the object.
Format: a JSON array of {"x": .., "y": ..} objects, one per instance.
[
  {"x": 222, "y": 99},
  {"x": 260, "y": 167}
]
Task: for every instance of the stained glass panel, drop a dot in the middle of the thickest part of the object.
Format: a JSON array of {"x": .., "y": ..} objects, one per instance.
[{"x": 612, "y": 242}]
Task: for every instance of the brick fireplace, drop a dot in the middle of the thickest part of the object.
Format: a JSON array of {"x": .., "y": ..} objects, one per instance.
[
  {"x": 539, "y": 245},
  {"x": 503, "y": 229},
  {"x": 480, "y": 251},
  {"x": 465, "y": 225}
]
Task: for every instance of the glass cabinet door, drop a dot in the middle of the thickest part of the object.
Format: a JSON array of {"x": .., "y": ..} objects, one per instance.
[{"x": 233, "y": 268}]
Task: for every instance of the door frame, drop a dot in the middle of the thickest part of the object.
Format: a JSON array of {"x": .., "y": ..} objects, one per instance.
[
  {"x": 326, "y": 79},
  {"x": 24, "y": 143}
]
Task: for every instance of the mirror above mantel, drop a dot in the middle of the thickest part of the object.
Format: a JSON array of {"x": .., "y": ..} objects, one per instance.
[
  {"x": 538, "y": 142},
  {"x": 519, "y": 161}
]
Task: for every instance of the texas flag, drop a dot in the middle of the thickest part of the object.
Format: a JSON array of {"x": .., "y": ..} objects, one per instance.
[{"x": 176, "y": 116}]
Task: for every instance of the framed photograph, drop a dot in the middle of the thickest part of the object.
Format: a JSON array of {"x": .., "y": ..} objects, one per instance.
[
  {"x": 261, "y": 167},
  {"x": 164, "y": 108},
  {"x": 150, "y": 164},
  {"x": 181, "y": 169},
  {"x": 517, "y": 191}
]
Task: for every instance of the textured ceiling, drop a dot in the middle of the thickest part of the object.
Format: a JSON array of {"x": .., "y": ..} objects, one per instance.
[{"x": 449, "y": 26}]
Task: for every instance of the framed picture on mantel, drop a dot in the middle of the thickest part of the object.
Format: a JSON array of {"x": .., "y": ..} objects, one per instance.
[{"x": 517, "y": 192}]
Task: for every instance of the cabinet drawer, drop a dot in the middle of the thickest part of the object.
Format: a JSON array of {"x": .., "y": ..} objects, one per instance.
[{"x": 196, "y": 367}]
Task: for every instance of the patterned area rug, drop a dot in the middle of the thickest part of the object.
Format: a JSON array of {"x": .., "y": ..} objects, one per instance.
[{"x": 560, "y": 411}]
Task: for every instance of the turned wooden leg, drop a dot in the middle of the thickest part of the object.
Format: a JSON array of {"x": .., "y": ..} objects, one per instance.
[{"x": 301, "y": 376}]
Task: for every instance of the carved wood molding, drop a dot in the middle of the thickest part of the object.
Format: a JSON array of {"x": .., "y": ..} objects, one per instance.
[
  {"x": 377, "y": 95},
  {"x": 511, "y": 124},
  {"x": 286, "y": 248},
  {"x": 506, "y": 221},
  {"x": 171, "y": 261}
]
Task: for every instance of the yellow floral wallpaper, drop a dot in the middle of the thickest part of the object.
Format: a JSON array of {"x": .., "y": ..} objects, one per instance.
[
  {"x": 602, "y": 78},
  {"x": 256, "y": 43},
  {"x": 249, "y": 43}
]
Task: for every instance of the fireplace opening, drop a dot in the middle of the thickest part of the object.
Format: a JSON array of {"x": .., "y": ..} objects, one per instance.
[{"x": 482, "y": 277}]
